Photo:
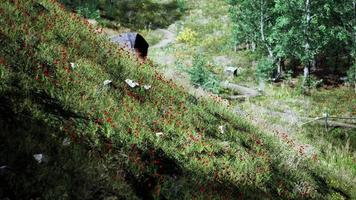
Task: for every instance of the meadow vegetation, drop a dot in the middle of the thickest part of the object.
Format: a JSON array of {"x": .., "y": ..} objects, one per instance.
[{"x": 63, "y": 94}]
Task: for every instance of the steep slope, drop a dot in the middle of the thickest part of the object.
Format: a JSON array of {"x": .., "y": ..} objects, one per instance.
[{"x": 133, "y": 141}]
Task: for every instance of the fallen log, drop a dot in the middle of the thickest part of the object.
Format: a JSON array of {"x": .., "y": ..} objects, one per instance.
[
  {"x": 321, "y": 121},
  {"x": 244, "y": 91},
  {"x": 237, "y": 97}
]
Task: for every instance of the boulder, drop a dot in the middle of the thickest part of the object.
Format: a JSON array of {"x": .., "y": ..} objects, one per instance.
[
  {"x": 230, "y": 71},
  {"x": 133, "y": 42}
]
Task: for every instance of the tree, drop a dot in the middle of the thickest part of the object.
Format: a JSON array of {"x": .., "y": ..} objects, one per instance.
[{"x": 303, "y": 30}]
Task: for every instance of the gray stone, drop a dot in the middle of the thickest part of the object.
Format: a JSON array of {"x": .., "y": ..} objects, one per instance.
[{"x": 230, "y": 71}]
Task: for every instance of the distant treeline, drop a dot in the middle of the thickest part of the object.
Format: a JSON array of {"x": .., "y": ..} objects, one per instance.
[
  {"x": 316, "y": 34},
  {"x": 135, "y": 14}
]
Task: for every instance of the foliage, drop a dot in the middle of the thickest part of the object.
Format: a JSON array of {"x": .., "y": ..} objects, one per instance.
[
  {"x": 87, "y": 13},
  {"x": 200, "y": 75},
  {"x": 182, "y": 5},
  {"x": 312, "y": 82},
  {"x": 265, "y": 69},
  {"x": 303, "y": 30},
  {"x": 135, "y": 14},
  {"x": 305, "y": 86},
  {"x": 188, "y": 36},
  {"x": 155, "y": 143}
]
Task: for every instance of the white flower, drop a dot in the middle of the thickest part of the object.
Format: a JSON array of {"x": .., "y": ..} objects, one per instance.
[
  {"x": 107, "y": 82},
  {"x": 39, "y": 157},
  {"x": 66, "y": 142},
  {"x": 147, "y": 87},
  {"x": 73, "y": 65},
  {"x": 131, "y": 83},
  {"x": 159, "y": 134},
  {"x": 222, "y": 129}
]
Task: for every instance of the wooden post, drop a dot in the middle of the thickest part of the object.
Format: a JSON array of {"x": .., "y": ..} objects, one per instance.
[{"x": 326, "y": 115}]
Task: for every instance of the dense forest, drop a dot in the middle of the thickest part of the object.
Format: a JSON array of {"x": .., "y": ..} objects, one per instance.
[
  {"x": 237, "y": 99},
  {"x": 320, "y": 35}
]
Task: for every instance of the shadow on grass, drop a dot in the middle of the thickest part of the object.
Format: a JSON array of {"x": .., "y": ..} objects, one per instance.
[
  {"x": 66, "y": 172},
  {"x": 133, "y": 14}
]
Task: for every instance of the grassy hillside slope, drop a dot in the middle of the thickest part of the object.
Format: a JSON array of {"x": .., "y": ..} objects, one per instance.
[{"x": 126, "y": 142}]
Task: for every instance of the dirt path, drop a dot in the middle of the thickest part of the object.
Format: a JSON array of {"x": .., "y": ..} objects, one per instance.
[
  {"x": 284, "y": 130},
  {"x": 168, "y": 38}
]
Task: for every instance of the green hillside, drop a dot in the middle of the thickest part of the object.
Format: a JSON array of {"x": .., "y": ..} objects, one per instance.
[{"x": 112, "y": 141}]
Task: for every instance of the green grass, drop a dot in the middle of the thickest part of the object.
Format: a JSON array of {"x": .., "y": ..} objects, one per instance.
[
  {"x": 116, "y": 126},
  {"x": 152, "y": 37}
]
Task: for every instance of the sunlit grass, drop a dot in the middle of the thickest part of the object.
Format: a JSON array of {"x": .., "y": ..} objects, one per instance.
[{"x": 163, "y": 139}]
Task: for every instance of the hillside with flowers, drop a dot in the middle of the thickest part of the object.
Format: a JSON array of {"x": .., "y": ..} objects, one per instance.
[{"x": 81, "y": 118}]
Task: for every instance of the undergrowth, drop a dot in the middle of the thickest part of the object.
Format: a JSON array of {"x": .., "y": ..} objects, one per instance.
[{"x": 155, "y": 143}]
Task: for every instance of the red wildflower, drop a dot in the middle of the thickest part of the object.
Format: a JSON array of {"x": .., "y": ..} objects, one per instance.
[
  {"x": 46, "y": 73},
  {"x": 315, "y": 157},
  {"x": 109, "y": 120}
]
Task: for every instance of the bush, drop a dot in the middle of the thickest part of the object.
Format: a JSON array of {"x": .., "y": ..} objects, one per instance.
[
  {"x": 200, "y": 75},
  {"x": 88, "y": 13},
  {"x": 305, "y": 86},
  {"x": 265, "y": 69},
  {"x": 188, "y": 36},
  {"x": 312, "y": 82},
  {"x": 181, "y": 5},
  {"x": 134, "y": 14}
]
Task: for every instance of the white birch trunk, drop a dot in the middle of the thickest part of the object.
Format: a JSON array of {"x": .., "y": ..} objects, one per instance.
[
  {"x": 354, "y": 5},
  {"x": 307, "y": 44},
  {"x": 269, "y": 49}
]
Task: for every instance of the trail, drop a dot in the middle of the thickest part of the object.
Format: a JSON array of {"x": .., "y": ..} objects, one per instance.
[
  {"x": 284, "y": 131},
  {"x": 168, "y": 38}
]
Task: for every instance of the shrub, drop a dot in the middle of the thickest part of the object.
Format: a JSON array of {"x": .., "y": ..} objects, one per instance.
[
  {"x": 305, "y": 86},
  {"x": 265, "y": 69},
  {"x": 187, "y": 36},
  {"x": 312, "y": 82},
  {"x": 200, "y": 75},
  {"x": 181, "y": 5},
  {"x": 135, "y": 14},
  {"x": 88, "y": 13}
]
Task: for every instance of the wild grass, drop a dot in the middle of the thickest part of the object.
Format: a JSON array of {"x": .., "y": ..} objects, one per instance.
[{"x": 159, "y": 143}]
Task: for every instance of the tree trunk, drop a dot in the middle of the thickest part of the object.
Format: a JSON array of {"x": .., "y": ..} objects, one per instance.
[
  {"x": 307, "y": 43},
  {"x": 306, "y": 72},
  {"x": 354, "y": 42},
  {"x": 269, "y": 49},
  {"x": 279, "y": 66},
  {"x": 313, "y": 65},
  {"x": 253, "y": 46}
]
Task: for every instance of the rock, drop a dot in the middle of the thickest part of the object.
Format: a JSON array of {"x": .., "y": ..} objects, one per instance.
[
  {"x": 159, "y": 134},
  {"x": 133, "y": 42},
  {"x": 344, "y": 79},
  {"x": 4, "y": 170},
  {"x": 73, "y": 65},
  {"x": 107, "y": 82},
  {"x": 230, "y": 71},
  {"x": 147, "y": 87},
  {"x": 131, "y": 83},
  {"x": 222, "y": 129},
  {"x": 40, "y": 158},
  {"x": 223, "y": 61},
  {"x": 66, "y": 142}
]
